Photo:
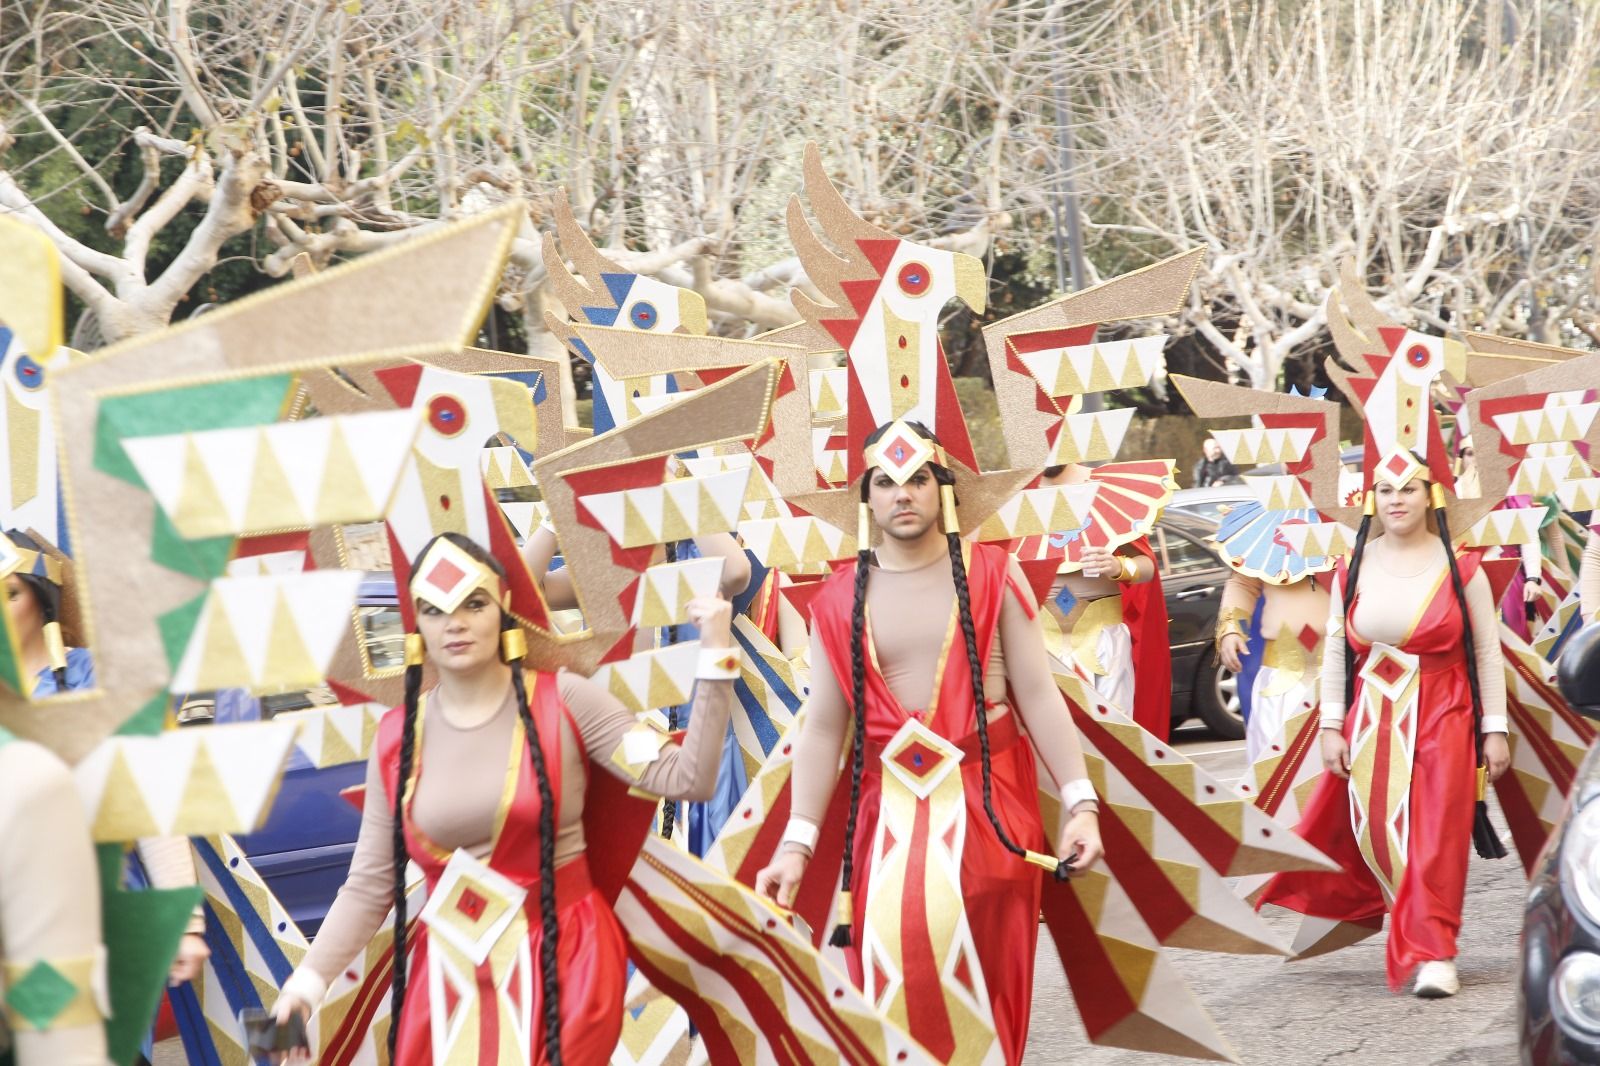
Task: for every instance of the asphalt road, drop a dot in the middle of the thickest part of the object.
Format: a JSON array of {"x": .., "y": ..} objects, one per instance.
[{"x": 1333, "y": 1009}]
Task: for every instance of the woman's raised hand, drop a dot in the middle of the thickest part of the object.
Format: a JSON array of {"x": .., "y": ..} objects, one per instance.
[{"x": 713, "y": 616}]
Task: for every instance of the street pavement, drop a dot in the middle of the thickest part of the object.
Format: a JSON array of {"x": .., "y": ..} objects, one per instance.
[{"x": 1333, "y": 1009}]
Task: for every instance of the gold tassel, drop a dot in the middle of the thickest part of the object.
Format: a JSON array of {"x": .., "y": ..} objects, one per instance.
[
  {"x": 947, "y": 507},
  {"x": 414, "y": 649},
  {"x": 841, "y": 931},
  {"x": 1483, "y": 783},
  {"x": 1436, "y": 494},
  {"x": 1369, "y": 503},
  {"x": 55, "y": 646},
  {"x": 863, "y": 527},
  {"x": 513, "y": 644}
]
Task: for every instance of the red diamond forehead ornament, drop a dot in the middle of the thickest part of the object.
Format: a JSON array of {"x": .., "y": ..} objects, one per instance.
[
  {"x": 1399, "y": 467},
  {"x": 448, "y": 575},
  {"x": 901, "y": 452}
]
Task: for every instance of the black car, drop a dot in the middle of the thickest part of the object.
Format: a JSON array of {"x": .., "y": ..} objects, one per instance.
[
  {"x": 1558, "y": 994},
  {"x": 1192, "y": 576}
]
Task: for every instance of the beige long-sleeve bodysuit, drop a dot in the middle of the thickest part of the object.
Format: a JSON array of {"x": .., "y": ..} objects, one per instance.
[
  {"x": 909, "y": 613},
  {"x": 456, "y": 799},
  {"x": 49, "y": 891},
  {"x": 1387, "y": 608}
]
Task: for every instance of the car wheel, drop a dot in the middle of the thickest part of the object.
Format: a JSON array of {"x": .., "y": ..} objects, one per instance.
[{"x": 1216, "y": 700}]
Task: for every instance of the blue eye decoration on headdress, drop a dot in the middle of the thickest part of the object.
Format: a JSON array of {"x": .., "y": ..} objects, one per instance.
[
  {"x": 643, "y": 315},
  {"x": 30, "y": 375}
]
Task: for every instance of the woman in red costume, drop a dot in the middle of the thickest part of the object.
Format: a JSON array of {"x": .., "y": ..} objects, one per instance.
[
  {"x": 1426, "y": 707},
  {"x": 480, "y": 781},
  {"x": 940, "y": 917}
]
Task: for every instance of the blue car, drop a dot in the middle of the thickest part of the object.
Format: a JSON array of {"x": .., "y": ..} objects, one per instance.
[{"x": 303, "y": 851}]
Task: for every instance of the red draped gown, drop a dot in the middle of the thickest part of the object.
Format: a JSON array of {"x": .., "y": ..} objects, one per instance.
[
  {"x": 1426, "y": 914},
  {"x": 591, "y": 950},
  {"x": 1000, "y": 891}
]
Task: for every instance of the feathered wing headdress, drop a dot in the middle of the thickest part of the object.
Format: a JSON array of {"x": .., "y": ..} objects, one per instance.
[
  {"x": 1393, "y": 388},
  {"x": 884, "y": 296},
  {"x": 599, "y": 292}
]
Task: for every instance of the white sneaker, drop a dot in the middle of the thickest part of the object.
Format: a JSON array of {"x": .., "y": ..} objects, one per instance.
[{"x": 1437, "y": 979}]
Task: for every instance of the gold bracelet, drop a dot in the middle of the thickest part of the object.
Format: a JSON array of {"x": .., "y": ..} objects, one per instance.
[
  {"x": 1230, "y": 620},
  {"x": 1127, "y": 572}
]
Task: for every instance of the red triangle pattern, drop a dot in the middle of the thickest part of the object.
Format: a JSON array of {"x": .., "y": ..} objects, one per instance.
[
  {"x": 1392, "y": 336},
  {"x": 348, "y": 695},
  {"x": 879, "y": 251},
  {"x": 861, "y": 293},
  {"x": 401, "y": 381},
  {"x": 963, "y": 973},
  {"x": 843, "y": 330}
]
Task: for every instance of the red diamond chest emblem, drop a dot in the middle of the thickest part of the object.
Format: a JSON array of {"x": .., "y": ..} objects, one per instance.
[
  {"x": 919, "y": 759},
  {"x": 1388, "y": 671},
  {"x": 471, "y": 904}
]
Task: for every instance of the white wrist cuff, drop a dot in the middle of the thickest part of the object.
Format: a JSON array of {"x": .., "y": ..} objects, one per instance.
[
  {"x": 718, "y": 664},
  {"x": 1077, "y": 791},
  {"x": 1331, "y": 718},
  {"x": 307, "y": 986},
  {"x": 1494, "y": 723},
  {"x": 801, "y": 832}
]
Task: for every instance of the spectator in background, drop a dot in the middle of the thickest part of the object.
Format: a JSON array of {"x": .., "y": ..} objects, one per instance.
[{"x": 1213, "y": 467}]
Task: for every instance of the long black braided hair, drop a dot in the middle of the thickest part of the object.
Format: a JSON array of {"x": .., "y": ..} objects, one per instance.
[
  {"x": 1484, "y": 838},
  {"x": 858, "y": 626},
  {"x": 548, "y": 958},
  {"x": 669, "y": 807},
  {"x": 48, "y": 596}
]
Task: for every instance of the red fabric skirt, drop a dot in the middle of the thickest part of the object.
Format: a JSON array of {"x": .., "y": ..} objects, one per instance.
[
  {"x": 1426, "y": 916},
  {"x": 594, "y": 979},
  {"x": 1000, "y": 890}
]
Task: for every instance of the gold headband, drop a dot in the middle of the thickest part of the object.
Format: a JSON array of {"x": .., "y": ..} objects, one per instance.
[
  {"x": 901, "y": 451},
  {"x": 15, "y": 559},
  {"x": 447, "y": 575}
]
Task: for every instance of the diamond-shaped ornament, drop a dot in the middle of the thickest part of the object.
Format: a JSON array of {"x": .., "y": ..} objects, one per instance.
[
  {"x": 471, "y": 904},
  {"x": 919, "y": 759},
  {"x": 1390, "y": 670},
  {"x": 40, "y": 996},
  {"x": 900, "y": 452},
  {"x": 448, "y": 575},
  {"x": 1399, "y": 467}
]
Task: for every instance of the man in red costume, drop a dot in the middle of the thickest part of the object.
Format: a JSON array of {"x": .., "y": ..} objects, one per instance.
[{"x": 940, "y": 917}]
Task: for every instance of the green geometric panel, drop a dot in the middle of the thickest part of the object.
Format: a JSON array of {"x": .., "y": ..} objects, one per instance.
[
  {"x": 147, "y": 721},
  {"x": 219, "y": 405},
  {"x": 141, "y": 932},
  {"x": 11, "y": 662},
  {"x": 177, "y": 625},
  {"x": 205, "y": 558},
  {"x": 41, "y": 995}
]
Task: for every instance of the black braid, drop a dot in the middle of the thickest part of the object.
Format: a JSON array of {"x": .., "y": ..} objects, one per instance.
[
  {"x": 669, "y": 807},
  {"x": 549, "y": 961},
  {"x": 1352, "y": 573},
  {"x": 408, "y": 740},
  {"x": 858, "y": 707},
  {"x": 1484, "y": 838},
  {"x": 958, "y": 571},
  {"x": 48, "y": 612}
]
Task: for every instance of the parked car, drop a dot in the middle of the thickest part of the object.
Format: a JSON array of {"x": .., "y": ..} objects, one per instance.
[
  {"x": 1192, "y": 576},
  {"x": 1558, "y": 993},
  {"x": 1211, "y": 502}
]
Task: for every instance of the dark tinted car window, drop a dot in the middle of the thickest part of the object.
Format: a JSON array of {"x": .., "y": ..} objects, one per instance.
[{"x": 1184, "y": 555}]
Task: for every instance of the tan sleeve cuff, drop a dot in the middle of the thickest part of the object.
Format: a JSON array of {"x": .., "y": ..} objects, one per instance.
[{"x": 306, "y": 985}]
